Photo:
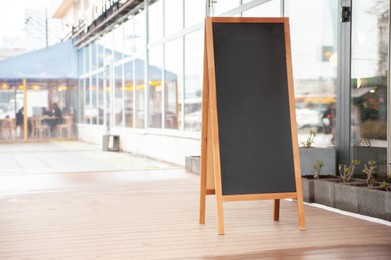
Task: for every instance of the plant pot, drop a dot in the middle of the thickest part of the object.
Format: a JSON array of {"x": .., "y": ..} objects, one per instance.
[
  {"x": 309, "y": 156},
  {"x": 308, "y": 189},
  {"x": 324, "y": 192},
  {"x": 375, "y": 203},
  {"x": 192, "y": 164}
]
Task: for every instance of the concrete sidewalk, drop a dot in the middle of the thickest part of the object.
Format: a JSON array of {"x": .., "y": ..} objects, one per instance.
[
  {"x": 69, "y": 156},
  {"x": 73, "y": 165}
]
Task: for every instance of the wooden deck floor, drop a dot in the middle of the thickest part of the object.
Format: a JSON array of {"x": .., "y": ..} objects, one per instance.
[{"x": 154, "y": 215}]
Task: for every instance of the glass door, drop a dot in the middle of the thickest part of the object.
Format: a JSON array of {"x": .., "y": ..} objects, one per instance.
[{"x": 369, "y": 90}]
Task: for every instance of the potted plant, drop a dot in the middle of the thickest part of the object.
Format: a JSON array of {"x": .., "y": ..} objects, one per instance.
[
  {"x": 310, "y": 154},
  {"x": 308, "y": 181}
]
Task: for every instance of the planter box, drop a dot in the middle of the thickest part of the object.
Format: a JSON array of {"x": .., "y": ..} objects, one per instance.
[
  {"x": 346, "y": 195},
  {"x": 374, "y": 203},
  {"x": 308, "y": 185},
  {"x": 309, "y": 156},
  {"x": 308, "y": 189},
  {"x": 353, "y": 197},
  {"x": 192, "y": 164},
  {"x": 324, "y": 192}
]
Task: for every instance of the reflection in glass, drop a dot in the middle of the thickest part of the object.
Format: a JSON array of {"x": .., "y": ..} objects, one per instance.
[
  {"x": 221, "y": 6},
  {"x": 139, "y": 94},
  {"x": 139, "y": 28},
  {"x": 314, "y": 67},
  {"x": 194, "y": 12},
  {"x": 107, "y": 42},
  {"x": 173, "y": 18},
  {"x": 87, "y": 57},
  {"x": 80, "y": 57},
  {"x": 193, "y": 81},
  {"x": 87, "y": 103},
  {"x": 370, "y": 27},
  {"x": 155, "y": 87},
  {"x": 94, "y": 107},
  {"x": 81, "y": 94},
  {"x": 129, "y": 37},
  {"x": 155, "y": 18},
  {"x": 101, "y": 93},
  {"x": 118, "y": 42},
  {"x": 94, "y": 58},
  {"x": 128, "y": 93},
  {"x": 173, "y": 82},
  {"x": 107, "y": 98},
  {"x": 118, "y": 95},
  {"x": 101, "y": 52},
  {"x": 268, "y": 9}
]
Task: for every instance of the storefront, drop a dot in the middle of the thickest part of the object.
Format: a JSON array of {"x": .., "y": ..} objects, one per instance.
[{"x": 140, "y": 73}]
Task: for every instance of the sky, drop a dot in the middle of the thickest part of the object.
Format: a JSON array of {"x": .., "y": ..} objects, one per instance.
[{"x": 12, "y": 15}]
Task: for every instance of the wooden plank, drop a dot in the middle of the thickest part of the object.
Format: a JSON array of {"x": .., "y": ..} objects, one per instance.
[{"x": 153, "y": 218}]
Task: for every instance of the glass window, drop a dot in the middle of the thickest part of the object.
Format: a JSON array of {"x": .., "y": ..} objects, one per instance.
[
  {"x": 107, "y": 83},
  {"x": 101, "y": 52},
  {"x": 81, "y": 61},
  {"x": 81, "y": 100},
  {"x": 155, "y": 87},
  {"x": 88, "y": 104},
  {"x": 268, "y": 9},
  {"x": 140, "y": 32},
  {"x": 194, "y": 12},
  {"x": 128, "y": 95},
  {"x": 155, "y": 21},
  {"x": 129, "y": 37},
  {"x": 87, "y": 58},
  {"x": 314, "y": 66},
  {"x": 217, "y": 7},
  {"x": 173, "y": 17},
  {"x": 194, "y": 54},
  {"x": 94, "y": 58},
  {"x": 369, "y": 72},
  {"x": 93, "y": 110},
  {"x": 173, "y": 82},
  {"x": 118, "y": 95},
  {"x": 118, "y": 42},
  {"x": 139, "y": 93},
  {"x": 107, "y": 42},
  {"x": 101, "y": 93}
]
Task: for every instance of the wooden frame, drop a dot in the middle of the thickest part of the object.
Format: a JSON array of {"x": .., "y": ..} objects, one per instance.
[{"x": 210, "y": 179}]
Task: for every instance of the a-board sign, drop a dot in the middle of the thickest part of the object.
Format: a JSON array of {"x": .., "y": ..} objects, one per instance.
[{"x": 249, "y": 137}]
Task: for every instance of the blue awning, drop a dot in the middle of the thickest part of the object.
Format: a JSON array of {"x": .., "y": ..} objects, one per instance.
[{"x": 56, "y": 62}]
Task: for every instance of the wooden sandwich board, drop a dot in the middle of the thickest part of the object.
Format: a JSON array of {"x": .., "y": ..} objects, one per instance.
[{"x": 249, "y": 146}]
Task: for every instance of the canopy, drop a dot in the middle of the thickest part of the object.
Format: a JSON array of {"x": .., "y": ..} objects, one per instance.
[{"x": 56, "y": 62}]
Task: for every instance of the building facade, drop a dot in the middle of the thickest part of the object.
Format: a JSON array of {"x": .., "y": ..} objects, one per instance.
[{"x": 141, "y": 68}]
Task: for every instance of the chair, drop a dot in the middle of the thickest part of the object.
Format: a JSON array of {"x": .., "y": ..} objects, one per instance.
[
  {"x": 64, "y": 130},
  {"x": 7, "y": 128},
  {"x": 39, "y": 130}
]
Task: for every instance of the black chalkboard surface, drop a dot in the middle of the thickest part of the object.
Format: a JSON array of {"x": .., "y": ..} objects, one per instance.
[
  {"x": 249, "y": 148},
  {"x": 253, "y": 108}
]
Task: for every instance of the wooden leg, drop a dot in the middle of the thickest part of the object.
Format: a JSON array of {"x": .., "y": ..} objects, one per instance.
[
  {"x": 220, "y": 217},
  {"x": 202, "y": 198},
  {"x": 276, "y": 216},
  {"x": 300, "y": 209}
]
